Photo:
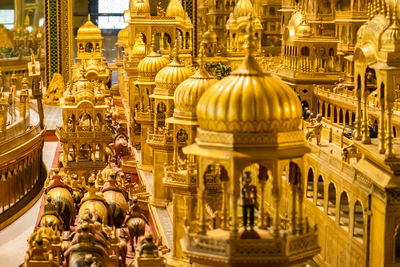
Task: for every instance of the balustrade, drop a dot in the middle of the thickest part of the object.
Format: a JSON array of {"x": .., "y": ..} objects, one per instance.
[{"x": 22, "y": 173}]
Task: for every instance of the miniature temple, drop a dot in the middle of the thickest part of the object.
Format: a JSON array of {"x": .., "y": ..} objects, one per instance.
[{"x": 200, "y": 133}]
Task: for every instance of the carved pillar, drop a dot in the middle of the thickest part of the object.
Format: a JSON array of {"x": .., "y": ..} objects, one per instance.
[
  {"x": 381, "y": 130},
  {"x": 276, "y": 197},
  {"x": 365, "y": 134},
  {"x": 224, "y": 205},
  {"x": 389, "y": 131},
  {"x": 202, "y": 208},
  {"x": 294, "y": 204},
  {"x": 300, "y": 194},
  {"x": 357, "y": 127}
]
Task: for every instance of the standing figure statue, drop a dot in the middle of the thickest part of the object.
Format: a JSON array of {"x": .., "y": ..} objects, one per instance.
[
  {"x": 315, "y": 130},
  {"x": 249, "y": 201}
]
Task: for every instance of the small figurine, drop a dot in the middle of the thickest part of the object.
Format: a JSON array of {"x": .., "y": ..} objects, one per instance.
[
  {"x": 147, "y": 247},
  {"x": 136, "y": 223},
  {"x": 249, "y": 198},
  {"x": 314, "y": 131},
  {"x": 160, "y": 10}
]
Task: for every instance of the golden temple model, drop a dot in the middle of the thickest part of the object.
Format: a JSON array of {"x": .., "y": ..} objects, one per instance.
[{"x": 225, "y": 133}]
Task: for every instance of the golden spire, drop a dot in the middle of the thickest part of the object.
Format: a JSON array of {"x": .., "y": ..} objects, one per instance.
[
  {"x": 88, "y": 17},
  {"x": 249, "y": 39},
  {"x": 201, "y": 56},
  {"x": 153, "y": 44},
  {"x": 175, "y": 51},
  {"x": 27, "y": 21}
]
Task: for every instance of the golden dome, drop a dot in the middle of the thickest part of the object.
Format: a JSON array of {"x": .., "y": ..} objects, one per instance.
[
  {"x": 139, "y": 48},
  {"x": 188, "y": 93},
  {"x": 243, "y": 9},
  {"x": 249, "y": 101},
  {"x": 123, "y": 36},
  {"x": 152, "y": 63},
  {"x": 140, "y": 8},
  {"x": 82, "y": 88},
  {"x": 390, "y": 39},
  {"x": 304, "y": 30},
  {"x": 175, "y": 9},
  {"x": 68, "y": 97},
  {"x": 173, "y": 74},
  {"x": 210, "y": 36},
  {"x": 92, "y": 69},
  {"x": 89, "y": 30}
]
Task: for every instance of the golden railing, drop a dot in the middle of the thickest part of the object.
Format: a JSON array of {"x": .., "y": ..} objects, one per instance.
[{"x": 22, "y": 173}]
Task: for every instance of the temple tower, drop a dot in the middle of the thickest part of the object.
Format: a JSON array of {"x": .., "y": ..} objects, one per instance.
[
  {"x": 242, "y": 126},
  {"x": 180, "y": 176},
  {"x": 144, "y": 114},
  {"x": 160, "y": 139},
  {"x": 84, "y": 135}
]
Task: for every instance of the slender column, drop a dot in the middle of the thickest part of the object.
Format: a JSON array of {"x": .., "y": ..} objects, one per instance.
[
  {"x": 358, "y": 116},
  {"x": 350, "y": 117},
  {"x": 224, "y": 205},
  {"x": 294, "y": 196},
  {"x": 202, "y": 212},
  {"x": 326, "y": 110},
  {"x": 262, "y": 208},
  {"x": 234, "y": 192},
  {"x": 365, "y": 134},
  {"x": 389, "y": 131},
  {"x": 300, "y": 224},
  {"x": 276, "y": 198},
  {"x": 381, "y": 131},
  {"x": 155, "y": 121}
]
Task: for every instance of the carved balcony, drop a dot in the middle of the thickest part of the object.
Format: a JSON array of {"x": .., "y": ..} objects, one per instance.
[
  {"x": 179, "y": 178},
  {"x": 160, "y": 138},
  {"x": 83, "y": 134},
  {"x": 216, "y": 247}
]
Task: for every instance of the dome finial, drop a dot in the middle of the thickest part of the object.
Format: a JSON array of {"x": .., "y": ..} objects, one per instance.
[
  {"x": 175, "y": 51},
  {"x": 395, "y": 21},
  {"x": 153, "y": 43},
  {"x": 88, "y": 17},
  {"x": 249, "y": 44},
  {"x": 201, "y": 56}
]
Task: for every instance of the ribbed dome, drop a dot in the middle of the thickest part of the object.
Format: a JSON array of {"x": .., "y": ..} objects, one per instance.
[
  {"x": 151, "y": 64},
  {"x": 140, "y": 8},
  {"x": 173, "y": 74},
  {"x": 123, "y": 36},
  {"x": 175, "y": 9},
  {"x": 89, "y": 29},
  {"x": 69, "y": 98},
  {"x": 249, "y": 101},
  {"x": 243, "y": 9},
  {"x": 84, "y": 90},
  {"x": 304, "y": 30},
  {"x": 210, "y": 36},
  {"x": 139, "y": 48},
  {"x": 92, "y": 70},
  {"x": 188, "y": 93},
  {"x": 390, "y": 39}
]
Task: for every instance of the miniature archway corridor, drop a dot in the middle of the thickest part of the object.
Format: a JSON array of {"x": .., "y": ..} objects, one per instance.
[
  {"x": 337, "y": 204},
  {"x": 250, "y": 185},
  {"x": 381, "y": 83},
  {"x": 88, "y": 151},
  {"x": 314, "y": 58},
  {"x": 341, "y": 115}
]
